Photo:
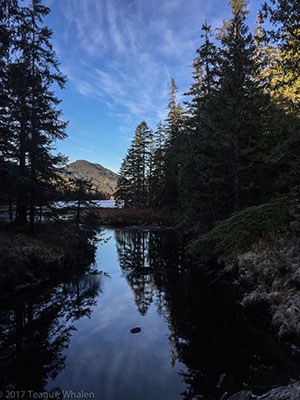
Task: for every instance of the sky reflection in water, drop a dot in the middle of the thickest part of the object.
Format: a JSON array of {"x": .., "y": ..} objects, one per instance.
[
  {"x": 105, "y": 357},
  {"x": 196, "y": 341}
]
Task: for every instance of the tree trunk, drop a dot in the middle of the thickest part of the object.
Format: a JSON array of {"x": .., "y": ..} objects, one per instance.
[
  {"x": 34, "y": 141},
  {"x": 32, "y": 196},
  {"x": 236, "y": 190},
  {"x": 78, "y": 212},
  {"x": 10, "y": 207},
  {"x": 21, "y": 206}
]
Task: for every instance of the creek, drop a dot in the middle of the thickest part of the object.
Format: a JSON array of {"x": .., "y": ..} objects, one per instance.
[{"x": 149, "y": 325}]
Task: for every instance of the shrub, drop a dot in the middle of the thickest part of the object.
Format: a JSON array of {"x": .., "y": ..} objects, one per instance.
[{"x": 239, "y": 232}]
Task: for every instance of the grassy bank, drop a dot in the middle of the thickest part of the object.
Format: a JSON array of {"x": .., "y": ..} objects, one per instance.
[
  {"x": 270, "y": 278},
  {"x": 55, "y": 249},
  {"x": 260, "y": 246},
  {"x": 239, "y": 233}
]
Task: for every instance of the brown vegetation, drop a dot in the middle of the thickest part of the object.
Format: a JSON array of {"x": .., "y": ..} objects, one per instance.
[
  {"x": 55, "y": 249},
  {"x": 130, "y": 216},
  {"x": 270, "y": 277}
]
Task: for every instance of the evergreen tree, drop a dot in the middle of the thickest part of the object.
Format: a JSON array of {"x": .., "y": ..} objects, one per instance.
[
  {"x": 197, "y": 191},
  {"x": 285, "y": 16},
  {"x": 239, "y": 114},
  {"x": 140, "y": 165},
  {"x": 132, "y": 184},
  {"x": 174, "y": 128},
  {"x": 281, "y": 83},
  {"x": 8, "y": 12},
  {"x": 157, "y": 165},
  {"x": 123, "y": 194},
  {"x": 36, "y": 121},
  {"x": 80, "y": 188}
]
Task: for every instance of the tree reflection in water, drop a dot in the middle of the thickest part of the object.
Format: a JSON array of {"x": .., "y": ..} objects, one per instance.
[
  {"x": 35, "y": 329},
  {"x": 142, "y": 254},
  {"x": 220, "y": 350},
  {"x": 209, "y": 331}
]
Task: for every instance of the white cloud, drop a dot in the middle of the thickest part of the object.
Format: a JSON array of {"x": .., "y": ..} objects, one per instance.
[{"x": 116, "y": 51}]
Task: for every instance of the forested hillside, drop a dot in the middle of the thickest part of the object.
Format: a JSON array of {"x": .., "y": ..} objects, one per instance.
[
  {"x": 233, "y": 143},
  {"x": 101, "y": 178}
]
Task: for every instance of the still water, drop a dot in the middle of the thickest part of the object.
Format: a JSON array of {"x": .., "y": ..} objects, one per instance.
[{"x": 148, "y": 326}]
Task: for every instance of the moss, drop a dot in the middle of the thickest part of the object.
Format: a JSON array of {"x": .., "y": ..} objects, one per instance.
[{"x": 239, "y": 232}]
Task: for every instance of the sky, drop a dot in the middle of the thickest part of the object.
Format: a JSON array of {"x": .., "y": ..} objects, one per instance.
[{"x": 118, "y": 56}]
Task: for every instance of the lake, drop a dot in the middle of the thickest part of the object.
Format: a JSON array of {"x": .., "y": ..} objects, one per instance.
[
  {"x": 94, "y": 203},
  {"x": 148, "y": 326}
]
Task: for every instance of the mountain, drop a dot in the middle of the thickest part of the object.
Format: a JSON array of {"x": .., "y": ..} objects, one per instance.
[{"x": 102, "y": 178}]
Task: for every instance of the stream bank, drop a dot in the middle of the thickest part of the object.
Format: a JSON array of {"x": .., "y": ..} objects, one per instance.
[
  {"x": 149, "y": 325},
  {"x": 55, "y": 249}
]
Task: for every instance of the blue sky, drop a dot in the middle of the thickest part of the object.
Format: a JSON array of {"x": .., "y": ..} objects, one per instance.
[{"x": 117, "y": 55}]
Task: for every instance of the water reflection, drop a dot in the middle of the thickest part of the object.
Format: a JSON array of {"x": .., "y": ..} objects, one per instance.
[
  {"x": 143, "y": 255},
  {"x": 210, "y": 333},
  {"x": 35, "y": 329},
  {"x": 133, "y": 253},
  {"x": 193, "y": 335}
]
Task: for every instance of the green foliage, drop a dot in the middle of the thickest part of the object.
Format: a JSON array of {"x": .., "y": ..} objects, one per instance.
[
  {"x": 236, "y": 146},
  {"x": 133, "y": 180},
  {"x": 237, "y": 143},
  {"x": 173, "y": 154},
  {"x": 30, "y": 122},
  {"x": 157, "y": 168},
  {"x": 244, "y": 228}
]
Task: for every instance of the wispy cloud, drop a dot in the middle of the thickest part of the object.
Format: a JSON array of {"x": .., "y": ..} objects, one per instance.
[
  {"x": 86, "y": 149},
  {"x": 117, "y": 51}
]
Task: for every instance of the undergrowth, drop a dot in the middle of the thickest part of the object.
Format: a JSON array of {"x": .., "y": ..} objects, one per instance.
[
  {"x": 55, "y": 249},
  {"x": 239, "y": 232}
]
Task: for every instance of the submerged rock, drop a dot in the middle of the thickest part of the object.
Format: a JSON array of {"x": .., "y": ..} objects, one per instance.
[
  {"x": 145, "y": 271},
  {"x": 135, "y": 330}
]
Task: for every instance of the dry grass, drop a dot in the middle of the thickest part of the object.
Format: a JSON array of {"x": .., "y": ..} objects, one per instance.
[
  {"x": 272, "y": 277},
  {"x": 55, "y": 249},
  {"x": 130, "y": 216},
  {"x": 290, "y": 391}
]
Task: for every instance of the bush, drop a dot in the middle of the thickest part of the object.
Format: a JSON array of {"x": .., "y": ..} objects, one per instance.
[{"x": 239, "y": 232}]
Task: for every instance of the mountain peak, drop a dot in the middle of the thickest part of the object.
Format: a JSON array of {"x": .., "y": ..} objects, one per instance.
[{"x": 102, "y": 178}]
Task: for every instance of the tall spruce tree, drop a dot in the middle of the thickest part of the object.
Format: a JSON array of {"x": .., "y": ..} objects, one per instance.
[
  {"x": 39, "y": 122},
  {"x": 174, "y": 128},
  {"x": 285, "y": 17},
  {"x": 132, "y": 184},
  {"x": 198, "y": 187},
  {"x": 140, "y": 147},
  {"x": 8, "y": 13},
  {"x": 239, "y": 114},
  {"x": 157, "y": 176},
  {"x": 124, "y": 191}
]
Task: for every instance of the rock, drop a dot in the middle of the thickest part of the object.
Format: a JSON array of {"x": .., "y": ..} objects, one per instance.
[
  {"x": 145, "y": 271},
  {"x": 244, "y": 395},
  {"x": 135, "y": 330},
  {"x": 288, "y": 392}
]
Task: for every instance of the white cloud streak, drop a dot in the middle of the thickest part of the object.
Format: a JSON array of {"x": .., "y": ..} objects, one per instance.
[{"x": 117, "y": 51}]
